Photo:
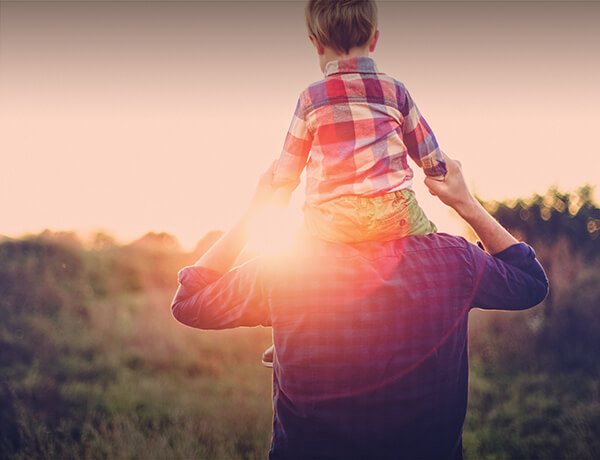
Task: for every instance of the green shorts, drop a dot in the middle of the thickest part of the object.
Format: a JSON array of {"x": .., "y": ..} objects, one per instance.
[{"x": 353, "y": 218}]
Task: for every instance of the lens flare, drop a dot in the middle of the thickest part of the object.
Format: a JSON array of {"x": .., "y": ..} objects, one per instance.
[{"x": 273, "y": 230}]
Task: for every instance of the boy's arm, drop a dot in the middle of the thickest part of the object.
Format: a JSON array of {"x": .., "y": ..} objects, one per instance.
[
  {"x": 295, "y": 152},
  {"x": 420, "y": 141}
]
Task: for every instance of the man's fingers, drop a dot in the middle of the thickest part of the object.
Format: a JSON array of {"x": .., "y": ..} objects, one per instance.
[
  {"x": 429, "y": 182},
  {"x": 450, "y": 161}
]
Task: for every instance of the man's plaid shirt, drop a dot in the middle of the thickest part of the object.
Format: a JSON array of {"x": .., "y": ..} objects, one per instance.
[
  {"x": 371, "y": 338},
  {"x": 359, "y": 126}
]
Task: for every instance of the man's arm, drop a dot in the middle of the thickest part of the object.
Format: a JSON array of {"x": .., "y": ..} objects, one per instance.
[
  {"x": 223, "y": 254},
  {"x": 455, "y": 193},
  {"x": 510, "y": 279},
  {"x": 213, "y": 296}
]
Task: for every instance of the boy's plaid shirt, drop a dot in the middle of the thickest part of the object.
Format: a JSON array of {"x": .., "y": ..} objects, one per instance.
[{"x": 358, "y": 125}]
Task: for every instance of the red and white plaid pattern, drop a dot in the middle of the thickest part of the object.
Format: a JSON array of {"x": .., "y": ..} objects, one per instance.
[{"x": 359, "y": 126}]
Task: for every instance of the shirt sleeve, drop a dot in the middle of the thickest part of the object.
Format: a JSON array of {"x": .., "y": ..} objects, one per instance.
[
  {"x": 295, "y": 151},
  {"x": 419, "y": 139},
  {"x": 510, "y": 280},
  {"x": 206, "y": 299}
]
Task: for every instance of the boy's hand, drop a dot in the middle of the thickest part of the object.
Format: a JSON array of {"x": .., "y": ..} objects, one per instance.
[
  {"x": 453, "y": 191},
  {"x": 283, "y": 195},
  {"x": 268, "y": 195},
  {"x": 264, "y": 194}
]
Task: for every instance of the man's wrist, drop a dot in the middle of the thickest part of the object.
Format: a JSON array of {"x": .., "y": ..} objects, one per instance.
[{"x": 469, "y": 208}]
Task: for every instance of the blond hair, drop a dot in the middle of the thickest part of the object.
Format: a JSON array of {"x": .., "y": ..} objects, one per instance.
[{"x": 341, "y": 24}]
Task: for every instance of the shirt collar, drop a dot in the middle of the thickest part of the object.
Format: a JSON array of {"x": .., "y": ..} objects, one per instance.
[{"x": 360, "y": 64}]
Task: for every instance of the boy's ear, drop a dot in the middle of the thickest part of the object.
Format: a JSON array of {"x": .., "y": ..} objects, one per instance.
[
  {"x": 374, "y": 41},
  {"x": 320, "y": 48}
]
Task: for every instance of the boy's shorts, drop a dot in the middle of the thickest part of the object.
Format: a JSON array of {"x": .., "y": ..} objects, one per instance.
[{"x": 354, "y": 218}]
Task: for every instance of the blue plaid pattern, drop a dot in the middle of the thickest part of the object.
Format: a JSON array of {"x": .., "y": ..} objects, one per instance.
[{"x": 371, "y": 338}]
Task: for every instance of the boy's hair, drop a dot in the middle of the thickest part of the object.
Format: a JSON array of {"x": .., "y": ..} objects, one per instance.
[{"x": 341, "y": 24}]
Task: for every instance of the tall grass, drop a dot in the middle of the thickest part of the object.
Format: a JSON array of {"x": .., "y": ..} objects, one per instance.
[{"x": 93, "y": 365}]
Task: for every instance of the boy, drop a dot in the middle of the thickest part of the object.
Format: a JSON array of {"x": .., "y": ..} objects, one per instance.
[{"x": 358, "y": 125}]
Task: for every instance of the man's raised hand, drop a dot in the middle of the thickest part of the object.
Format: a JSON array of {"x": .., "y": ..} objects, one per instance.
[{"x": 453, "y": 191}]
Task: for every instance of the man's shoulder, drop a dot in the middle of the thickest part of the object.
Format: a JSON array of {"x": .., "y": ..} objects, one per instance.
[
  {"x": 436, "y": 242},
  {"x": 437, "y": 248}
]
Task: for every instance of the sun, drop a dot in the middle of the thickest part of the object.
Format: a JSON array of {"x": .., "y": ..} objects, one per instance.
[{"x": 273, "y": 230}]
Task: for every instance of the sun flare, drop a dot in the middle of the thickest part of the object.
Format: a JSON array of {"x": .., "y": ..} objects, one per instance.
[{"x": 273, "y": 230}]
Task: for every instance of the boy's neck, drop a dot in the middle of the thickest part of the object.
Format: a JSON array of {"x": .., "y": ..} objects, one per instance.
[{"x": 331, "y": 54}]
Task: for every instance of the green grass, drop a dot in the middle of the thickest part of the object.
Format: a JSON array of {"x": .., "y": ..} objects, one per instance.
[
  {"x": 130, "y": 392},
  {"x": 94, "y": 366},
  {"x": 532, "y": 416}
]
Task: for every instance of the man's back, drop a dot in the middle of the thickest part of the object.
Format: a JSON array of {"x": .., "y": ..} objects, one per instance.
[{"x": 371, "y": 339}]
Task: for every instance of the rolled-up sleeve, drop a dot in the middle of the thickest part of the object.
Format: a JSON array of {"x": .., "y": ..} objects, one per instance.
[
  {"x": 509, "y": 280},
  {"x": 206, "y": 299}
]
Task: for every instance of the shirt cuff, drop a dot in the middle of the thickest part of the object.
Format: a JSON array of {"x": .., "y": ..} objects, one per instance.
[
  {"x": 196, "y": 276},
  {"x": 438, "y": 170},
  {"x": 522, "y": 256},
  {"x": 515, "y": 253}
]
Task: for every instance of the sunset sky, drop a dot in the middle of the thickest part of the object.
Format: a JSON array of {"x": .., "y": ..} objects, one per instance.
[{"x": 140, "y": 116}]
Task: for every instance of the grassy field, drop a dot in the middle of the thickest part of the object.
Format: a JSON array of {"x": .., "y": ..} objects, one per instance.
[{"x": 92, "y": 365}]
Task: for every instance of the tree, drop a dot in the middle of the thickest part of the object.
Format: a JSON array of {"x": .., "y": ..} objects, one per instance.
[
  {"x": 552, "y": 217},
  {"x": 564, "y": 229}
]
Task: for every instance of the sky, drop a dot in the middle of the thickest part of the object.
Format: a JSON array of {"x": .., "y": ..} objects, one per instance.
[{"x": 136, "y": 116}]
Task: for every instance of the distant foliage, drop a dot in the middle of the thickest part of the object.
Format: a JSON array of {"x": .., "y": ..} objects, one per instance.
[
  {"x": 554, "y": 216},
  {"x": 37, "y": 275},
  {"x": 564, "y": 229}
]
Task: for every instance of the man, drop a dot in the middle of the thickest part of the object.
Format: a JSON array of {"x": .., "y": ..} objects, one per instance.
[{"x": 371, "y": 338}]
